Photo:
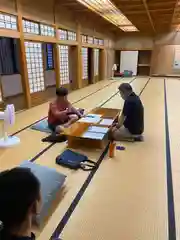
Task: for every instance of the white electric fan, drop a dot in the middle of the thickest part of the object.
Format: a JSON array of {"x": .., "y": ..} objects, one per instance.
[{"x": 8, "y": 117}]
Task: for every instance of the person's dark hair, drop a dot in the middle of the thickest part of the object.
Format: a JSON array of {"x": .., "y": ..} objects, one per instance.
[
  {"x": 61, "y": 92},
  {"x": 19, "y": 189},
  {"x": 125, "y": 87}
]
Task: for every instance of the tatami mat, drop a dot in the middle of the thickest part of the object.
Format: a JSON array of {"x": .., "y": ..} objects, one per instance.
[
  {"x": 173, "y": 100},
  {"x": 31, "y": 140},
  {"x": 127, "y": 198},
  {"x": 117, "y": 102},
  {"x": 75, "y": 179}
]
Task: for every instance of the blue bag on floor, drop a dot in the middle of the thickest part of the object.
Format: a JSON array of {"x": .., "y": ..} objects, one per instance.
[{"x": 75, "y": 161}]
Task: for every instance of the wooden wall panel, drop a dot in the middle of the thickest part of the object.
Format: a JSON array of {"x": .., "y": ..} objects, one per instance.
[
  {"x": 42, "y": 97},
  {"x": 8, "y": 6},
  {"x": 87, "y": 27},
  {"x": 65, "y": 18},
  {"x": 163, "y": 54},
  {"x": 110, "y": 61},
  {"x": 171, "y": 38},
  {"x": 73, "y": 53},
  {"x": 85, "y": 82},
  {"x": 162, "y": 61},
  {"x": 39, "y": 10},
  {"x": 18, "y": 101},
  {"x": 134, "y": 43},
  {"x": 102, "y": 64}
]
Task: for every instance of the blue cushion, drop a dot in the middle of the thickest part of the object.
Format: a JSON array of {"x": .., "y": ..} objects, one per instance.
[
  {"x": 41, "y": 126},
  {"x": 51, "y": 182}
]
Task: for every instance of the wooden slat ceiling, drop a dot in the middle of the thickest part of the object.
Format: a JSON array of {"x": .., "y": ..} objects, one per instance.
[
  {"x": 153, "y": 16},
  {"x": 83, "y": 14},
  {"x": 149, "y": 16}
]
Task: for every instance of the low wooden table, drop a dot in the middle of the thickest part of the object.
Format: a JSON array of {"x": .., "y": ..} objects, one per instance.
[{"x": 75, "y": 131}]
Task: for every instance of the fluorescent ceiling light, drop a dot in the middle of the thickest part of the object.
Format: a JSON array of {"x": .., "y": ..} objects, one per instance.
[
  {"x": 129, "y": 29},
  {"x": 110, "y": 12}
]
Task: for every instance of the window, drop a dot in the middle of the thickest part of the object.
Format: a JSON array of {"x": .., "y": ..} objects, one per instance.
[
  {"x": 47, "y": 30},
  {"x": 71, "y": 36},
  {"x": 66, "y": 35},
  {"x": 63, "y": 34},
  {"x": 90, "y": 40},
  {"x": 96, "y": 41},
  {"x": 96, "y": 62},
  {"x": 8, "y": 21},
  {"x": 85, "y": 63},
  {"x": 31, "y": 27},
  {"x": 101, "y": 42},
  {"x": 34, "y": 60},
  {"x": 9, "y": 56},
  {"x": 84, "y": 39},
  {"x": 49, "y": 53},
  {"x": 64, "y": 64}
]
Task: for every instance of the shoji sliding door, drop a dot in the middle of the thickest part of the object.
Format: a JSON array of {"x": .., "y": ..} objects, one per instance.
[
  {"x": 85, "y": 66},
  {"x": 35, "y": 68},
  {"x": 96, "y": 64},
  {"x": 64, "y": 65}
]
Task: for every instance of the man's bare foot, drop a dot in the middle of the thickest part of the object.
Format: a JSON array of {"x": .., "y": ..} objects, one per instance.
[
  {"x": 66, "y": 125},
  {"x": 59, "y": 129}
]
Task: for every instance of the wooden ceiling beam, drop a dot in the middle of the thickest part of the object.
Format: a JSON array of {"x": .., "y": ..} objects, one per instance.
[
  {"x": 81, "y": 10},
  {"x": 150, "y": 4},
  {"x": 149, "y": 15},
  {"x": 68, "y": 3},
  {"x": 150, "y": 10}
]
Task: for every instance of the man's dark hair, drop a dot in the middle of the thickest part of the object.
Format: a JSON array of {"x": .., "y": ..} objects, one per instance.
[
  {"x": 125, "y": 87},
  {"x": 19, "y": 189},
  {"x": 61, "y": 92}
]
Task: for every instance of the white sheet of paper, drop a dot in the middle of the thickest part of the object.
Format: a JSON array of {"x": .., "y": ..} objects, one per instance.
[
  {"x": 98, "y": 129},
  {"x": 93, "y": 115},
  {"x": 93, "y": 135},
  {"x": 90, "y": 119},
  {"x": 106, "y": 122}
]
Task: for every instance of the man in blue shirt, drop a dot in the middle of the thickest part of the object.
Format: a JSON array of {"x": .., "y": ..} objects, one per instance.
[{"x": 130, "y": 125}]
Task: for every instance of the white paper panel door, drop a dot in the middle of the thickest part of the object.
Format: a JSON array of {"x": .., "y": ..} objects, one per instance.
[
  {"x": 85, "y": 63},
  {"x": 64, "y": 64},
  {"x": 129, "y": 61},
  {"x": 96, "y": 62},
  {"x": 34, "y": 59}
]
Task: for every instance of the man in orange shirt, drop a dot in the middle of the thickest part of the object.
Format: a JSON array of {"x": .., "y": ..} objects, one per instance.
[{"x": 61, "y": 112}]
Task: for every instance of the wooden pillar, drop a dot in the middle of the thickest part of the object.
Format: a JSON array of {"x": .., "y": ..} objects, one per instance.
[
  {"x": 92, "y": 66},
  {"x": 73, "y": 67},
  {"x": 102, "y": 64},
  {"x": 79, "y": 57},
  {"x": 56, "y": 49},
  {"x": 24, "y": 70}
]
